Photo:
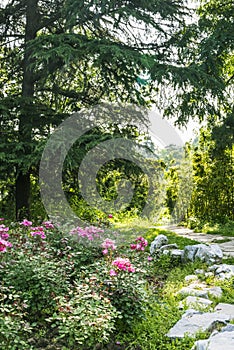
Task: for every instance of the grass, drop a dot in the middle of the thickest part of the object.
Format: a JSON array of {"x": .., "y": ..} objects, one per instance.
[
  {"x": 226, "y": 229},
  {"x": 132, "y": 228}
]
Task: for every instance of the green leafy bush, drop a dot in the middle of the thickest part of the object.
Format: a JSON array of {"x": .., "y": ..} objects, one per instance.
[
  {"x": 83, "y": 318},
  {"x": 14, "y": 329}
]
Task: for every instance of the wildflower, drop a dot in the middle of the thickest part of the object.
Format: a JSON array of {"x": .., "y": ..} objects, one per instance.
[
  {"x": 150, "y": 258},
  {"x": 105, "y": 251},
  {"x": 113, "y": 272},
  {"x": 2, "y": 219},
  {"x": 110, "y": 216},
  {"x": 26, "y": 222}
]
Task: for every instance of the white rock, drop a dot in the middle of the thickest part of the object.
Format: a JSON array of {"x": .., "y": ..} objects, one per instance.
[
  {"x": 168, "y": 247},
  {"x": 223, "y": 340},
  {"x": 191, "y": 278},
  {"x": 190, "y": 324},
  {"x": 209, "y": 274},
  {"x": 225, "y": 308},
  {"x": 210, "y": 253},
  {"x": 193, "y": 292},
  {"x": 158, "y": 242},
  {"x": 201, "y": 290},
  {"x": 199, "y": 272},
  {"x": 215, "y": 292},
  {"x": 194, "y": 302}
]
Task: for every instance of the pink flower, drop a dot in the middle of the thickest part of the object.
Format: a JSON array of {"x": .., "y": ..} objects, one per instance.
[
  {"x": 113, "y": 272},
  {"x": 131, "y": 269},
  {"x": 141, "y": 244},
  {"x": 150, "y": 258},
  {"x": 26, "y": 222},
  {"x": 4, "y": 235},
  {"x": 123, "y": 264},
  {"x": 2, "y": 219},
  {"x": 48, "y": 224},
  {"x": 105, "y": 251},
  {"x": 89, "y": 232},
  {"x": 110, "y": 216},
  {"x": 108, "y": 244},
  {"x": 4, "y": 244},
  {"x": 38, "y": 231}
]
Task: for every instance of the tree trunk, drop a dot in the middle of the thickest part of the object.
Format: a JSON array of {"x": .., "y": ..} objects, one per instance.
[
  {"x": 22, "y": 196},
  {"x": 25, "y": 120}
]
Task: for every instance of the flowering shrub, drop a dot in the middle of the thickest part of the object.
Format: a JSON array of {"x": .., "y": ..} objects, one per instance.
[
  {"x": 14, "y": 329},
  {"x": 48, "y": 224},
  {"x": 83, "y": 284},
  {"x": 84, "y": 318}
]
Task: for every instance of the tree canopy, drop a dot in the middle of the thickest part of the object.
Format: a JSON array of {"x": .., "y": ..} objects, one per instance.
[{"x": 60, "y": 56}]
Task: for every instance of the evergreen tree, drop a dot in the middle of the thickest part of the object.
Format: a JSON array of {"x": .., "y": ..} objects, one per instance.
[{"x": 59, "y": 56}]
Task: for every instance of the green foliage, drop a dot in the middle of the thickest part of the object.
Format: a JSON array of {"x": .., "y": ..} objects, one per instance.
[
  {"x": 13, "y": 328},
  {"x": 212, "y": 198},
  {"x": 37, "y": 279},
  {"x": 83, "y": 318}
]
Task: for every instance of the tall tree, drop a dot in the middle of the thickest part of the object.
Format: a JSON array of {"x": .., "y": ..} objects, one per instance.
[{"x": 59, "y": 56}]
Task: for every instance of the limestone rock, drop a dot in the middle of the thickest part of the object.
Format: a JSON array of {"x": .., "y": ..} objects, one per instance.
[
  {"x": 195, "y": 302},
  {"x": 225, "y": 308},
  {"x": 218, "y": 340},
  {"x": 158, "y": 242},
  {"x": 210, "y": 253},
  {"x": 201, "y": 290},
  {"x": 223, "y": 271},
  {"x": 190, "y": 278},
  {"x": 191, "y": 323},
  {"x": 168, "y": 247}
]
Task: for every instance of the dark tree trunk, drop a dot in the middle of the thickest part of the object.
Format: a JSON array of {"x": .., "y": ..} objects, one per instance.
[
  {"x": 25, "y": 120},
  {"x": 22, "y": 196}
]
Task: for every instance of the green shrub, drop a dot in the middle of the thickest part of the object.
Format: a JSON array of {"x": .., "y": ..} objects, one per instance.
[
  {"x": 126, "y": 291},
  {"x": 14, "y": 329},
  {"x": 38, "y": 280},
  {"x": 84, "y": 318}
]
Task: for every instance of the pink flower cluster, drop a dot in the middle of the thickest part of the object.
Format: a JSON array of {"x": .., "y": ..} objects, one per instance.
[
  {"x": 141, "y": 243},
  {"x": 38, "y": 231},
  {"x": 48, "y": 224},
  {"x": 89, "y": 232},
  {"x": 4, "y": 238},
  {"x": 108, "y": 244},
  {"x": 121, "y": 264},
  {"x": 26, "y": 223}
]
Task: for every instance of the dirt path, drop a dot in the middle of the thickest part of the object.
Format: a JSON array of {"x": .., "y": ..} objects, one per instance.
[{"x": 227, "y": 247}]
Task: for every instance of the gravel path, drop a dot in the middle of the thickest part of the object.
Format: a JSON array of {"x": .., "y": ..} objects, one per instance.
[{"x": 227, "y": 247}]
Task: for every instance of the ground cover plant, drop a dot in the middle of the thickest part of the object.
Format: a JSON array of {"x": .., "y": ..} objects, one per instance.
[{"x": 89, "y": 288}]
